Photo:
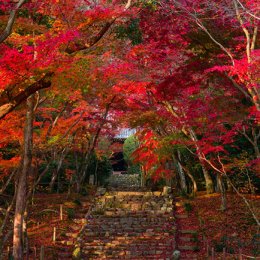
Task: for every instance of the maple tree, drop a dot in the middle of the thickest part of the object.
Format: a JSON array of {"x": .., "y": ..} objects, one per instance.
[
  {"x": 72, "y": 72},
  {"x": 189, "y": 76},
  {"x": 47, "y": 37}
]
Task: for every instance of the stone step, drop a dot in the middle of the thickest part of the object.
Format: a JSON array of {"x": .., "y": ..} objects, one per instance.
[
  {"x": 85, "y": 203},
  {"x": 65, "y": 254},
  {"x": 136, "y": 216},
  {"x": 178, "y": 204},
  {"x": 80, "y": 215},
  {"x": 188, "y": 231},
  {"x": 181, "y": 216},
  {"x": 79, "y": 220},
  {"x": 189, "y": 257},
  {"x": 75, "y": 227},
  {"x": 73, "y": 235},
  {"x": 187, "y": 247},
  {"x": 186, "y": 239},
  {"x": 67, "y": 242}
]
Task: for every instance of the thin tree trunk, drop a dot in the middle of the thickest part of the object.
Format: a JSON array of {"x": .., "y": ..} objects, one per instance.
[
  {"x": 25, "y": 235},
  {"x": 254, "y": 140},
  {"x": 222, "y": 191},
  {"x": 207, "y": 177},
  {"x": 95, "y": 174},
  {"x": 229, "y": 186},
  {"x": 94, "y": 143},
  {"x": 246, "y": 202},
  {"x": 181, "y": 174},
  {"x": 194, "y": 183},
  {"x": 182, "y": 178},
  {"x": 8, "y": 181},
  {"x": 142, "y": 176},
  {"x": 223, "y": 172},
  {"x": 21, "y": 194},
  {"x": 57, "y": 171},
  {"x": 5, "y": 237},
  {"x": 186, "y": 170}
]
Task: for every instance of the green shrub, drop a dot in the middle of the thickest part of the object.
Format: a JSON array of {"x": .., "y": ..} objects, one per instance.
[
  {"x": 77, "y": 202},
  {"x": 187, "y": 207},
  {"x": 70, "y": 213}
]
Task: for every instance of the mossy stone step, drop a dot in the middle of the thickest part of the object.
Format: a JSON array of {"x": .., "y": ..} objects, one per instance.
[
  {"x": 75, "y": 227},
  {"x": 181, "y": 216},
  {"x": 184, "y": 247},
  {"x": 189, "y": 256},
  {"x": 188, "y": 231},
  {"x": 186, "y": 239},
  {"x": 67, "y": 242},
  {"x": 73, "y": 235},
  {"x": 79, "y": 220}
]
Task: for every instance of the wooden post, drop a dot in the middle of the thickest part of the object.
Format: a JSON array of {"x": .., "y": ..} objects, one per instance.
[
  {"x": 54, "y": 235},
  {"x": 224, "y": 253},
  {"x": 35, "y": 252},
  {"x": 240, "y": 257},
  {"x": 212, "y": 253},
  {"x": 61, "y": 212},
  {"x": 42, "y": 253},
  {"x": 204, "y": 239},
  {"x": 9, "y": 255}
]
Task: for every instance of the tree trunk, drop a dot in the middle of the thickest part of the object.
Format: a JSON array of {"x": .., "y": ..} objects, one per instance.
[
  {"x": 222, "y": 191},
  {"x": 183, "y": 183},
  {"x": 186, "y": 170},
  {"x": 194, "y": 184},
  {"x": 95, "y": 174},
  {"x": 143, "y": 176},
  {"x": 25, "y": 234},
  {"x": 207, "y": 177},
  {"x": 5, "y": 236},
  {"x": 21, "y": 194},
  {"x": 57, "y": 170},
  {"x": 229, "y": 186},
  {"x": 181, "y": 174}
]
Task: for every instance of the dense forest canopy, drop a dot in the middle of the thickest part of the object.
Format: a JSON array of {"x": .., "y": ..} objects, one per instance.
[{"x": 184, "y": 74}]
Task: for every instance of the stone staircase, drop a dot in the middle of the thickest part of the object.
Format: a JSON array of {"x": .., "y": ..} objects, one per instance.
[
  {"x": 66, "y": 242},
  {"x": 187, "y": 238},
  {"x": 129, "y": 225},
  {"x": 124, "y": 182}
]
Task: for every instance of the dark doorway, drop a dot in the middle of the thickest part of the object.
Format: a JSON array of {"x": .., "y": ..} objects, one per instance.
[{"x": 118, "y": 162}]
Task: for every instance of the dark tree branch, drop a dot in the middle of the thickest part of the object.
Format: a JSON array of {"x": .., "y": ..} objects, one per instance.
[
  {"x": 7, "y": 107},
  {"x": 8, "y": 29},
  {"x": 45, "y": 82},
  {"x": 93, "y": 40}
]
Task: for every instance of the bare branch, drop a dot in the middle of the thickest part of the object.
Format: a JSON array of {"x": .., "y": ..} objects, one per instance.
[
  {"x": 8, "y": 29},
  {"x": 7, "y": 107},
  {"x": 240, "y": 88},
  {"x": 203, "y": 28},
  {"x": 248, "y": 12},
  {"x": 254, "y": 38},
  {"x": 245, "y": 30},
  {"x": 94, "y": 40},
  {"x": 199, "y": 23},
  {"x": 8, "y": 181}
]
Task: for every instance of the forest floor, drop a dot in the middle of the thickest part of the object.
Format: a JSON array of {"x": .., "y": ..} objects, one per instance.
[
  {"x": 44, "y": 216},
  {"x": 234, "y": 229}
]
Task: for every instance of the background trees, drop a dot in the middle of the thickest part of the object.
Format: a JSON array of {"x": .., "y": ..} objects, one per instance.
[{"x": 183, "y": 73}]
